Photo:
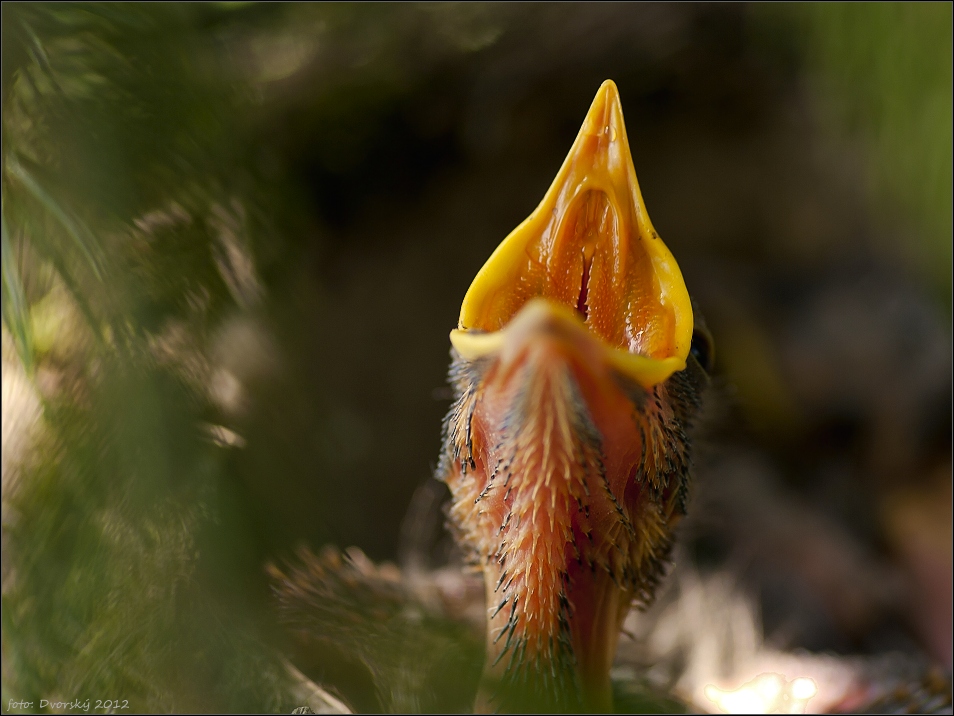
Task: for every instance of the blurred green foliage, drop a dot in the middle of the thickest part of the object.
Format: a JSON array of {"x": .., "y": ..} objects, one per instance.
[
  {"x": 884, "y": 74},
  {"x": 124, "y": 571},
  {"x": 108, "y": 115},
  {"x": 115, "y": 591}
]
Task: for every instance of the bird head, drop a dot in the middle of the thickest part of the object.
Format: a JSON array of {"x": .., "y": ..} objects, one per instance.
[{"x": 576, "y": 378}]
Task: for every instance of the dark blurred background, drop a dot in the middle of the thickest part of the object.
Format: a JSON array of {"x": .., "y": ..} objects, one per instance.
[{"x": 236, "y": 236}]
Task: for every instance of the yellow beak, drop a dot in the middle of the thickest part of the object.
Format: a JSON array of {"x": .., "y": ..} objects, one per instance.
[{"x": 589, "y": 245}]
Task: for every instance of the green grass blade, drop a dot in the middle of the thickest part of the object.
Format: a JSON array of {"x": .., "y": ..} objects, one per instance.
[
  {"x": 16, "y": 315},
  {"x": 81, "y": 236}
]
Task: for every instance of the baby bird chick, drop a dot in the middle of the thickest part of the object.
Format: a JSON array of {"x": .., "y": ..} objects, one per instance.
[{"x": 577, "y": 370}]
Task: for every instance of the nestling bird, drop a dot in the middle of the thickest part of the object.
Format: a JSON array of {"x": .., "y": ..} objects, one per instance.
[{"x": 577, "y": 369}]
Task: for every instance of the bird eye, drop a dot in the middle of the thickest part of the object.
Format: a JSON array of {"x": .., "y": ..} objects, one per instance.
[{"x": 702, "y": 350}]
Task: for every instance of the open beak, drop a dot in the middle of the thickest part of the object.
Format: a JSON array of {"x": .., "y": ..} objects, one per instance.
[
  {"x": 590, "y": 245},
  {"x": 566, "y": 450}
]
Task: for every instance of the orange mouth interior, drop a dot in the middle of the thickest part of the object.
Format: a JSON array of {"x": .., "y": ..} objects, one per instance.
[{"x": 590, "y": 245}]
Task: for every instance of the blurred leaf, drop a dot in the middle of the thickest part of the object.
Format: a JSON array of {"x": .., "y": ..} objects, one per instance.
[
  {"x": 15, "y": 310},
  {"x": 75, "y": 229}
]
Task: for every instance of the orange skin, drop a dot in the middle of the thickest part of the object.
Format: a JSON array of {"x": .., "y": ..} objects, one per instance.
[{"x": 566, "y": 450}]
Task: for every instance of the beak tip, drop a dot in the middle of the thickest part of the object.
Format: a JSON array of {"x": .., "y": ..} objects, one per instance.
[
  {"x": 608, "y": 91},
  {"x": 607, "y": 104},
  {"x": 606, "y": 112}
]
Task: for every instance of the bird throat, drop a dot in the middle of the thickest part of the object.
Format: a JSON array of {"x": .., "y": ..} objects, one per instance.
[{"x": 567, "y": 483}]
